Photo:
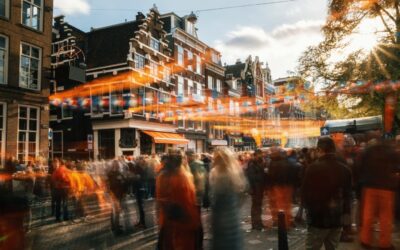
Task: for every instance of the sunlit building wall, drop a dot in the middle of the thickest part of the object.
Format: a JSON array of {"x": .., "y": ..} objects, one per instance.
[{"x": 25, "y": 44}]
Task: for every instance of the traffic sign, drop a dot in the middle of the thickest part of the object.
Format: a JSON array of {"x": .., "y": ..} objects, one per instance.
[
  {"x": 325, "y": 131},
  {"x": 90, "y": 138}
]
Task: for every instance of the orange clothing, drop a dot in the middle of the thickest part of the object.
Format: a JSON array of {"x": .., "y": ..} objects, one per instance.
[
  {"x": 61, "y": 178},
  {"x": 179, "y": 218},
  {"x": 380, "y": 203},
  {"x": 280, "y": 198}
]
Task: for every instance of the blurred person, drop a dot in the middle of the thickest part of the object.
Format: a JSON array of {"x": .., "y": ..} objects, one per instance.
[
  {"x": 256, "y": 177},
  {"x": 179, "y": 217},
  {"x": 227, "y": 183},
  {"x": 206, "y": 159},
  {"x": 326, "y": 194},
  {"x": 139, "y": 171},
  {"x": 196, "y": 167},
  {"x": 378, "y": 182},
  {"x": 282, "y": 179},
  {"x": 62, "y": 184},
  {"x": 153, "y": 162},
  {"x": 118, "y": 187}
]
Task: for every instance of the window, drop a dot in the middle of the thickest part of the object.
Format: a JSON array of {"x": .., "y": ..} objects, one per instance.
[
  {"x": 139, "y": 61},
  {"x": 32, "y": 13},
  {"x": 198, "y": 65},
  {"x": 153, "y": 68},
  {"x": 3, "y": 59},
  {"x": 4, "y": 10},
  {"x": 100, "y": 101},
  {"x": 215, "y": 58},
  {"x": 234, "y": 84},
  {"x": 2, "y": 133},
  {"x": 210, "y": 82},
  {"x": 198, "y": 89},
  {"x": 181, "y": 121},
  {"x": 155, "y": 44},
  {"x": 219, "y": 85},
  {"x": 167, "y": 75},
  {"x": 190, "y": 87},
  {"x": 190, "y": 60},
  {"x": 29, "y": 72},
  {"x": 180, "y": 55},
  {"x": 190, "y": 28},
  {"x": 28, "y": 133},
  {"x": 180, "y": 86}
]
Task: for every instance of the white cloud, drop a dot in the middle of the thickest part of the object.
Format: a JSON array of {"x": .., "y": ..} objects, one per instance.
[
  {"x": 71, "y": 7},
  {"x": 280, "y": 47}
]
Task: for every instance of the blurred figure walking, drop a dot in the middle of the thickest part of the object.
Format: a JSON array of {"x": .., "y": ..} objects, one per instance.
[
  {"x": 378, "y": 181},
  {"x": 326, "y": 194},
  {"x": 256, "y": 176},
  {"x": 227, "y": 183},
  {"x": 179, "y": 217}
]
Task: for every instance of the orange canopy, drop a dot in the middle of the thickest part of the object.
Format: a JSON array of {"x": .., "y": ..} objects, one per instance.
[{"x": 167, "y": 138}]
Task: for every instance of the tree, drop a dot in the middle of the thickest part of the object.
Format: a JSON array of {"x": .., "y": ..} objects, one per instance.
[{"x": 357, "y": 74}]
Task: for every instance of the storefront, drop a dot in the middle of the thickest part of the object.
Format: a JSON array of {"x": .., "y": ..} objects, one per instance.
[{"x": 134, "y": 137}]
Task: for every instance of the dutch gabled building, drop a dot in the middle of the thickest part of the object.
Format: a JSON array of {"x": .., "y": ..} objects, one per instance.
[
  {"x": 25, "y": 43},
  {"x": 129, "y": 93}
]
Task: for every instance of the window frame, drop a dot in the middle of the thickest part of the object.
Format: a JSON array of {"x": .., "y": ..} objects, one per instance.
[
  {"x": 7, "y": 10},
  {"x": 154, "y": 44},
  {"x": 210, "y": 82},
  {"x": 41, "y": 8},
  {"x": 27, "y": 131},
  {"x": 180, "y": 55},
  {"x": 198, "y": 64},
  {"x": 137, "y": 63},
  {"x": 39, "y": 66},
  {"x": 6, "y": 59}
]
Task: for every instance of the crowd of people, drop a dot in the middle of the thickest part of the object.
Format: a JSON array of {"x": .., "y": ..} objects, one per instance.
[{"x": 323, "y": 181}]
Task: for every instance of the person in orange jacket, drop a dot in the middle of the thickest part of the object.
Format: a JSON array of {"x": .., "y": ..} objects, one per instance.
[{"x": 62, "y": 183}]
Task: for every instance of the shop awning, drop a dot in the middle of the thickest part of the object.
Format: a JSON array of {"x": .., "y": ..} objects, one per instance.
[{"x": 167, "y": 138}]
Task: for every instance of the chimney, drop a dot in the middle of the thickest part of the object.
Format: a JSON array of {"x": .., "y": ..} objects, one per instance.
[
  {"x": 238, "y": 61},
  {"x": 140, "y": 16}
]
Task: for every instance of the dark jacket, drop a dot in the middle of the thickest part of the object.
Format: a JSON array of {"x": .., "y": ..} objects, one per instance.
[
  {"x": 255, "y": 173},
  {"x": 282, "y": 172},
  {"x": 378, "y": 167},
  {"x": 326, "y": 192}
]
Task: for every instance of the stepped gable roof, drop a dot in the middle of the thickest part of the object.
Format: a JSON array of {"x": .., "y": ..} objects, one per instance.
[{"x": 110, "y": 45}]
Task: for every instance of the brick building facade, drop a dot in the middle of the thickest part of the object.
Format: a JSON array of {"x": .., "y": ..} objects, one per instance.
[{"x": 25, "y": 48}]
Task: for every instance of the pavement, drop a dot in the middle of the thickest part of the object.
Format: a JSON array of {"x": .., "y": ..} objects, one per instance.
[{"x": 95, "y": 231}]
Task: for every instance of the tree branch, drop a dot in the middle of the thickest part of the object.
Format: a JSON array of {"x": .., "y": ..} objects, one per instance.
[
  {"x": 386, "y": 12},
  {"x": 387, "y": 27}
]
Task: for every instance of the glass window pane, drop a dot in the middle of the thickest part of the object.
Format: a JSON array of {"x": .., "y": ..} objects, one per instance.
[
  {"x": 22, "y": 136},
  {"x": 33, "y": 113},
  {"x": 32, "y": 137},
  {"x": 22, "y": 124},
  {"x": 38, "y": 2},
  {"x": 35, "y": 52},
  {"x": 26, "y": 13},
  {"x": 32, "y": 125},
  {"x": 23, "y": 112},
  {"x": 3, "y": 8},
  {"x": 26, "y": 50},
  {"x": 2, "y": 39}
]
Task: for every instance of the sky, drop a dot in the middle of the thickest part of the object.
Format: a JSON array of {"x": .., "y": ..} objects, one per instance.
[{"x": 276, "y": 33}]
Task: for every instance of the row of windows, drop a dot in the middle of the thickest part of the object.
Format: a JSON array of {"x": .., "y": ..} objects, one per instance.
[
  {"x": 217, "y": 85},
  {"x": 28, "y": 133},
  {"x": 30, "y": 64},
  {"x": 32, "y": 12},
  {"x": 192, "y": 87},
  {"x": 140, "y": 62},
  {"x": 189, "y": 59}
]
